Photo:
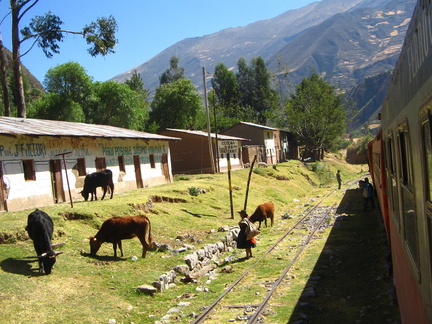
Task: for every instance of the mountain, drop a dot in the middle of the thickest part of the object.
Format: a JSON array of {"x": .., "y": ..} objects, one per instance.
[
  {"x": 345, "y": 40},
  {"x": 351, "y": 46},
  {"x": 368, "y": 95},
  {"x": 261, "y": 38}
]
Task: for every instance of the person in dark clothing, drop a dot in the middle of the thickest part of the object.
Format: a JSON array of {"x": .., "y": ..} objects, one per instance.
[
  {"x": 338, "y": 178},
  {"x": 242, "y": 241},
  {"x": 368, "y": 191}
]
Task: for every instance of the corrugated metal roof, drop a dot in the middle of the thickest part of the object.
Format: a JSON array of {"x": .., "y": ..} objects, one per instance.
[
  {"x": 201, "y": 133},
  {"x": 259, "y": 126},
  {"x": 43, "y": 127}
]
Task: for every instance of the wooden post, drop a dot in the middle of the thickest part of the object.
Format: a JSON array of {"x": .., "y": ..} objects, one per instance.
[
  {"x": 67, "y": 178},
  {"x": 248, "y": 182},
  {"x": 210, "y": 142},
  {"x": 229, "y": 186}
]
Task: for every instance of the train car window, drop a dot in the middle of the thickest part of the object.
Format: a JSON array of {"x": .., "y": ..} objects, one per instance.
[
  {"x": 404, "y": 157},
  {"x": 391, "y": 179},
  {"x": 427, "y": 149},
  {"x": 407, "y": 189}
]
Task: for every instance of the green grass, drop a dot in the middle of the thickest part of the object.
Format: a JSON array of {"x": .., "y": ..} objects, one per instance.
[{"x": 95, "y": 289}]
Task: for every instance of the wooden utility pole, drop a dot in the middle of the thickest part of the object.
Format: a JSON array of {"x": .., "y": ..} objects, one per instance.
[
  {"x": 230, "y": 186},
  {"x": 210, "y": 142},
  {"x": 248, "y": 182}
]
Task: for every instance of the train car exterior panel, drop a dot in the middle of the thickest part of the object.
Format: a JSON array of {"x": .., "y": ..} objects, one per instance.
[
  {"x": 377, "y": 167},
  {"x": 407, "y": 151}
]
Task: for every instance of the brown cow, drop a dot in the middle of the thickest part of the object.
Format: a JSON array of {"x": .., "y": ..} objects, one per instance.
[
  {"x": 262, "y": 212},
  {"x": 115, "y": 229}
]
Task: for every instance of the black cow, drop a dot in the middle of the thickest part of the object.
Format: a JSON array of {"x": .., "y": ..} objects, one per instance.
[
  {"x": 97, "y": 179},
  {"x": 40, "y": 228}
]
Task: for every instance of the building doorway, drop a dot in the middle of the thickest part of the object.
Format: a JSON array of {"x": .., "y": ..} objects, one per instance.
[
  {"x": 57, "y": 181},
  {"x": 138, "y": 175}
]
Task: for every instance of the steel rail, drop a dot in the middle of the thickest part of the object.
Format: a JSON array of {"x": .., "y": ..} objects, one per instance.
[
  {"x": 202, "y": 317},
  {"x": 276, "y": 284}
]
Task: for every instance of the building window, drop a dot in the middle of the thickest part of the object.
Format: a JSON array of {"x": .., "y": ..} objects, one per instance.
[
  {"x": 121, "y": 162},
  {"x": 29, "y": 170},
  {"x": 81, "y": 167},
  {"x": 152, "y": 161}
]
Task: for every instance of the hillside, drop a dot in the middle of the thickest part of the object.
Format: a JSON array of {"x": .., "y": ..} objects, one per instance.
[{"x": 100, "y": 288}]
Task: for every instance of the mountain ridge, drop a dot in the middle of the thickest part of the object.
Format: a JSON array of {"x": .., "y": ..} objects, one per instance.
[{"x": 347, "y": 41}]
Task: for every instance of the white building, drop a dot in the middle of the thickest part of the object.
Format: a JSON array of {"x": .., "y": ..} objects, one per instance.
[{"x": 34, "y": 152}]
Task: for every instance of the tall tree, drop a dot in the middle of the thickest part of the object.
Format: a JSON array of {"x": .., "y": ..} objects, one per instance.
[
  {"x": 136, "y": 84},
  {"x": 264, "y": 96},
  {"x": 316, "y": 113},
  {"x": 3, "y": 80},
  {"x": 69, "y": 80},
  {"x": 118, "y": 105},
  {"x": 245, "y": 83},
  {"x": 68, "y": 88},
  {"x": 47, "y": 33},
  {"x": 256, "y": 94},
  {"x": 177, "y": 105},
  {"x": 225, "y": 88},
  {"x": 173, "y": 73}
]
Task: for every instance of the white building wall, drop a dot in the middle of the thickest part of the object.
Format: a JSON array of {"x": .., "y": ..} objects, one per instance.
[
  {"x": 22, "y": 194},
  {"x": 232, "y": 147},
  {"x": 270, "y": 146}
]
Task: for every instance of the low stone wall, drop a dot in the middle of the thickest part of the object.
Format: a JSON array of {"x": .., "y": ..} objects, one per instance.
[{"x": 198, "y": 259}]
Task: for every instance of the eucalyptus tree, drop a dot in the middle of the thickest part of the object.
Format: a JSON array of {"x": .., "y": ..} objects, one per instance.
[
  {"x": 69, "y": 80},
  {"x": 68, "y": 89},
  {"x": 136, "y": 84},
  {"x": 177, "y": 105},
  {"x": 46, "y": 32},
  {"x": 116, "y": 104},
  {"x": 225, "y": 89},
  {"x": 316, "y": 114},
  {"x": 256, "y": 94},
  {"x": 173, "y": 73}
]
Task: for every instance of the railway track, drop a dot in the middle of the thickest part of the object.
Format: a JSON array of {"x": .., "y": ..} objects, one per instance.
[{"x": 306, "y": 227}]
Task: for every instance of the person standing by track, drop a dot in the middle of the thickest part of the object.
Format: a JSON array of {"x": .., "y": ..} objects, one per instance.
[
  {"x": 245, "y": 238},
  {"x": 368, "y": 191},
  {"x": 339, "y": 178}
]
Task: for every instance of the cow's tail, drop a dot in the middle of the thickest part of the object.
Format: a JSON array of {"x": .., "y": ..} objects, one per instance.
[{"x": 148, "y": 236}]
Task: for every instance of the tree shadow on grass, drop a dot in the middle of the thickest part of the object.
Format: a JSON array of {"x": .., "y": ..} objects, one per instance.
[
  {"x": 197, "y": 215},
  {"x": 20, "y": 266}
]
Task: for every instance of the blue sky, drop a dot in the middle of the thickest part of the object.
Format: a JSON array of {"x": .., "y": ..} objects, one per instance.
[{"x": 145, "y": 28}]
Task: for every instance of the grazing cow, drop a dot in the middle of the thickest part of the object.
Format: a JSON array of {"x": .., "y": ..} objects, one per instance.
[
  {"x": 97, "y": 179},
  {"x": 262, "y": 212},
  {"x": 40, "y": 228},
  {"x": 115, "y": 229}
]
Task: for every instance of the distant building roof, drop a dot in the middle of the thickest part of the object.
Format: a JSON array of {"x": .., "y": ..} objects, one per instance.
[
  {"x": 255, "y": 125},
  {"x": 43, "y": 127},
  {"x": 213, "y": 135}
]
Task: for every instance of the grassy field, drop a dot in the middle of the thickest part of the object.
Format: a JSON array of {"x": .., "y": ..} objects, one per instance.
[{"x": 84, "y": 289}]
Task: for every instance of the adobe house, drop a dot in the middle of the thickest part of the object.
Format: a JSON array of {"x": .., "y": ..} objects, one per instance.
[
  {"x": 269, "y": 144},
  {"x": 41, "y": 160},
  {"x": 287, "y": 146},
  {"x": 262, "y": 141},
  {"x": 192, "y": 155}
]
